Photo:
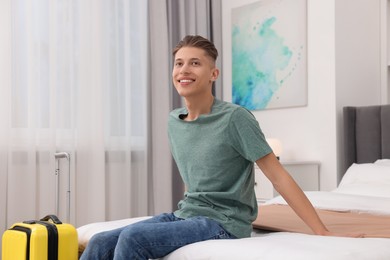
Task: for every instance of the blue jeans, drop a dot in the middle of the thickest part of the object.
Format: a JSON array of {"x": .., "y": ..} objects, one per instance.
[{"x": 152, "y": 238}]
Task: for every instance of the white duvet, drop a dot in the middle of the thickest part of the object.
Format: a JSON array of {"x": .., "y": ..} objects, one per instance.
[
  {"x": 286, "y": 246},
  {"x": 343, "y": 202},
  {"x": 283, "y": 245},
  {"x": 365, "y": 188}
]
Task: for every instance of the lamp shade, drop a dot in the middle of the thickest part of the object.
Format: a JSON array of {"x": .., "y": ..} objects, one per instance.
[{"x": 275, "y": 145}]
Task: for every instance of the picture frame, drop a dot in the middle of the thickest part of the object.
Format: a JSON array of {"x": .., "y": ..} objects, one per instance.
[{"x": 265, "y": 53}]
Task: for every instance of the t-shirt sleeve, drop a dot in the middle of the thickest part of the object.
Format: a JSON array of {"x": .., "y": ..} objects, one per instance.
[{"x": 246, "y": 135}]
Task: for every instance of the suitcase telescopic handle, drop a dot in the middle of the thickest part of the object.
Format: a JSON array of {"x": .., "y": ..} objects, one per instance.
[
  {"x": 53, "y": 218},
  {"x": 58, "y": 156}
]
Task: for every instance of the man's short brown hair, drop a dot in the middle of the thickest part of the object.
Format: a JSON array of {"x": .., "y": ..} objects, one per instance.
[{"x": 200, "y": 42}]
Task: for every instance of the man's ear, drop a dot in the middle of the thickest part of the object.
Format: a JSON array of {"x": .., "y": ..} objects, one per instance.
[{"x": 215, "y": 74}]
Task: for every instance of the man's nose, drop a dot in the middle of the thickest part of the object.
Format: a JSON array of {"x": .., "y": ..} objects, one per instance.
[{"x": 185, "y": 68}]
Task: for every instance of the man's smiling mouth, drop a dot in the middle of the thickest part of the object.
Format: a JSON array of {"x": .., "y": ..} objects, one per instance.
[{"x": 186, "y": 80}]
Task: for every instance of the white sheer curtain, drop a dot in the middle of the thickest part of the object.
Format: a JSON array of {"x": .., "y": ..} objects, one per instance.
[{"x": 73, "y": 79}]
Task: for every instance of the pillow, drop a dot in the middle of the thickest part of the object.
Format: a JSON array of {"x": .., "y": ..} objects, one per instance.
[
  {"x": 366, "y": 179},
  {"x": 385, "y": 162},
  {"x": 366, "y": 173}
]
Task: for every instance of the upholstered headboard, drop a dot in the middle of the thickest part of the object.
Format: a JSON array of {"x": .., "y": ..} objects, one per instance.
[{"x": 366, "y": 134}]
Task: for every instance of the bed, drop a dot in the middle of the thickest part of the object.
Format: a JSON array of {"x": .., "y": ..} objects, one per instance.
[{"x": 361, "y": 203}]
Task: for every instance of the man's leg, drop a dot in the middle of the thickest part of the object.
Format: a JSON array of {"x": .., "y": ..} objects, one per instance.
[
  {"x": 102, "y": 245},
  {"x": 150, "y": 240}
]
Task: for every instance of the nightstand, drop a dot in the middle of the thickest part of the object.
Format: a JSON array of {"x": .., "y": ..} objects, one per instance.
[{"x": 305, "y": 173}]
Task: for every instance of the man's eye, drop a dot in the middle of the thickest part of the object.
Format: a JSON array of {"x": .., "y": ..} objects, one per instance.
[
  {"x": 195, "y": 63},
  {"x": 178, "y": 64}
]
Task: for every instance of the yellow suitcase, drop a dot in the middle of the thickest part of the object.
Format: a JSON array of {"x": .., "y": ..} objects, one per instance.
[{"x": 46, "y": 239}]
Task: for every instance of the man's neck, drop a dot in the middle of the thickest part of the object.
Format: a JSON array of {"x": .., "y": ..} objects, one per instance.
[{"x": 197, "y": 106}]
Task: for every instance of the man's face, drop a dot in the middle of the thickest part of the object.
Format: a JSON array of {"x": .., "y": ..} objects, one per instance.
[{"x": 193, "y": 72}]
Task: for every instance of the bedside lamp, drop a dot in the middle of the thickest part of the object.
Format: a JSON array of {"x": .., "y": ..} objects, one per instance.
[{"x": 276, "y": 146}]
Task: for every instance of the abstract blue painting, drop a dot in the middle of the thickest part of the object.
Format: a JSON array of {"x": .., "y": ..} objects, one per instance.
[{"x": 269, "y": 67}]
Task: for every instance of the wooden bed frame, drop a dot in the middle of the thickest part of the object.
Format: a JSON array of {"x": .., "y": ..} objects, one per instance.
[{"x": 366, "y": 134}]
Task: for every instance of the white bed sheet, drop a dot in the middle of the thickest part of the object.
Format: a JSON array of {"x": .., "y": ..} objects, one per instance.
[
  {"x": 337, "y": 201},
  {"x": 283, "y": 245},
  {"x": 364, "y": 189},
  {"x": 268, "y": 246},
  {"x": 291, "y": 246},
  {"x": 286, "y": 246}
]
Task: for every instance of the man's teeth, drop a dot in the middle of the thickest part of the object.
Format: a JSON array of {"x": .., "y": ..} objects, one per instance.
[{"x": 185, "y": 80}]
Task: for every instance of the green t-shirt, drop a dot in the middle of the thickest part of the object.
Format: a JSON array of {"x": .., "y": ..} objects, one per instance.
[{"x": 215, "y": 155}]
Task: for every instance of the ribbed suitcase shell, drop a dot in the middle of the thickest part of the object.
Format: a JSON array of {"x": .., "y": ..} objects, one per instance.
[{"x": 17, "y": 245}]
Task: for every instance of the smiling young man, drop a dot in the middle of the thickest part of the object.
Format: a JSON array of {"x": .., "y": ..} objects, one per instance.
[
  {"x": 214, "y": 144},
  {"x": 193, "y": 73}
]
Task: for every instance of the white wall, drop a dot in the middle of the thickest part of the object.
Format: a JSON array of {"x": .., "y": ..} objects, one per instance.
[
  {"x": 310, "y": 132},
  {"x": 358, "y": 58}
]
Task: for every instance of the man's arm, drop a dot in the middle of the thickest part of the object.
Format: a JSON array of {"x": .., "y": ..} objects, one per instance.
[{"x": 293, "y": 194}]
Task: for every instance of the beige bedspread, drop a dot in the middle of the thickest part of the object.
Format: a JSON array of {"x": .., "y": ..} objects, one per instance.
[{"x": 283, "y": 218}]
